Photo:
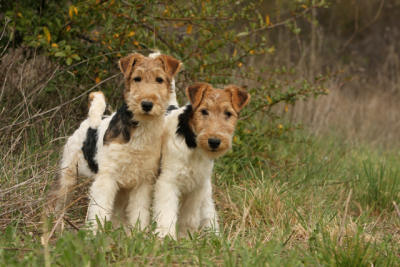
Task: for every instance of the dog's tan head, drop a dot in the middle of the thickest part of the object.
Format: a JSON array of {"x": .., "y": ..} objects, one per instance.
[
  {"x": 215, "y": 113},
  {"x": 148, "y": 84}
]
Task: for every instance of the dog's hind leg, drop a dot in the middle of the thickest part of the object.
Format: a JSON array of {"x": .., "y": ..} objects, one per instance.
[
  {"x": 57, "y": 200},
  {"x": 102, "y": 196}
]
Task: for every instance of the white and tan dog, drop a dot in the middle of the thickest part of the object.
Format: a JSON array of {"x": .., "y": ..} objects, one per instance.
[
  {"x": 196, "y": 134},
  {"x": 122, "y": 151}
]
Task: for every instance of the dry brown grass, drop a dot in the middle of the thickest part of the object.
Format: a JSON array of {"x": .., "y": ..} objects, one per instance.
[{"x": 372, "y": 118}]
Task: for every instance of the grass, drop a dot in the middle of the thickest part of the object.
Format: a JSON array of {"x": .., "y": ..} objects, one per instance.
[{"x": 285, "y": 198}]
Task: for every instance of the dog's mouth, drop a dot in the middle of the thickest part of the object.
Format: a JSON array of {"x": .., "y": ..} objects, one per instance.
[{"x": 214, "y": 152}]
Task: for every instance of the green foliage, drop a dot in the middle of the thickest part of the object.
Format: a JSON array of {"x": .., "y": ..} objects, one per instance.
[
  {"x": 216, "y": 40},
  {"x": 380, "y": 185}
]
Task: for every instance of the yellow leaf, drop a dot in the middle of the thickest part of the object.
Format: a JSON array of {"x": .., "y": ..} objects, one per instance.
[
  {"x": 240, "y": 64},
  {"x": 269, "y": 99},
  {"x": 234, "y": 53},
  {"x": 251, "y": 52},
  {"x": 68, "y": 28},
  {"x": 131, "y": 33},
  {"x": 280, "y": 126},
  {"x": 286, "y": 108},
  {"x": 54, "y": 45},
  {"x": 75, "y": 10},
  {"x": 98, "y": 79},
  {"x": 19, "y": 14},
  {"x": 71, "y": 11},
  {"x": 271, "y": 50},
  {"x": 136, "y": 43},
  {"x": 98, "y": 2},
  {"x": 235, "y": 139},
  {"x": 116, "y": 35},
  {"x": 267, "y": 20},
  {"x": 304, "y": 6},
  {"x": 189, "y": 29},
  {"x": 109, "y": 47},
  {"x": 47, "y": 34}
]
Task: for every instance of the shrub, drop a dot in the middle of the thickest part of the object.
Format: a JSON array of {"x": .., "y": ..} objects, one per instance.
[{"x": 219, "y": 41}]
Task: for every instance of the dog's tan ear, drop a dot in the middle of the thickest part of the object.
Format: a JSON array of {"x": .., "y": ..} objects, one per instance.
[
  {"x": 127, "y": 63},
  {"x": 171, "y": 65},
  {"x": 196, "y": 92},
  {"x": 240, "y": 98}
]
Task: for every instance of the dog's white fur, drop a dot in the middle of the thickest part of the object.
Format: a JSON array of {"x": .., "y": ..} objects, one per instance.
[{"x": 185, "y": 178}]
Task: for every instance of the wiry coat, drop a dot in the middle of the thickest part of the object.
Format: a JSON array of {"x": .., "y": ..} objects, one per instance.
[
  {"x": 183, "y": 191},
  {"x": 122, "y": 151},
  {"x": 185, "y": 178}
]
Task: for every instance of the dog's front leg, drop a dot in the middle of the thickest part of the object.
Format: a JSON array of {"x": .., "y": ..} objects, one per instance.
[
  {"x": 189, "y": 214},
  {"x": 208, "y": 214},
  {"x": 138, "y": 209},
  {"x": 166, "y": 203},
  {"x": 102, "y": 195}
]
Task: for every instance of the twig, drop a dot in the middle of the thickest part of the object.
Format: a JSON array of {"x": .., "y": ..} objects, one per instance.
[
  {"x": 396, "y": 208},
  {"x": 7, "y": 20},
  {"x": 357, "y": 30},
  {"x": 191, "y": 19},
  {"x": 5, "y": 80},
  {"x": 287, "y": 240},
  {"x": 344, "y": 217},
  {"x": 61, "y": 105},
  {"x": 71, "y": 223},
  {"x": 5, "y": 191},
  {"x": 23, "y": 249}
]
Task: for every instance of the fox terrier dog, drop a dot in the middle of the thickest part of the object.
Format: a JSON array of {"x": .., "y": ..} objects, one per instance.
[
  {"x": 122, "y": 151},
  {"x": 195, "y": 135}
]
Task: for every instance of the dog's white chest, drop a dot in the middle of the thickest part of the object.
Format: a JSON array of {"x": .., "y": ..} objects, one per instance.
[
  {"x": 193, "y": 174},
  {"x": 131, "y": 164}
]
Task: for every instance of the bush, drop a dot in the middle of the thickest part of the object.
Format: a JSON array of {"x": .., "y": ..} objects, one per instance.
[{"x": 219, "y": 42}]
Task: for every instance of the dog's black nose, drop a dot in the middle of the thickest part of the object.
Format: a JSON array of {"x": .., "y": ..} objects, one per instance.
[
  {"x": 214, "y": 142},
  {"x": 147, "y": 105}
]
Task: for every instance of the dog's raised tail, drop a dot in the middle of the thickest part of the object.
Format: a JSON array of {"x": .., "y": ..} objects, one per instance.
[{"x": 97, "y": 106}]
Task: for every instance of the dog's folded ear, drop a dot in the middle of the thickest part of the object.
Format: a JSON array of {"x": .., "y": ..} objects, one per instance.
[
  {"x": 196, "y": 92},
  {"x": 171, "y": 65},
  {"x": 240, "y": 98},
  {"x": 127, "y": 63}
]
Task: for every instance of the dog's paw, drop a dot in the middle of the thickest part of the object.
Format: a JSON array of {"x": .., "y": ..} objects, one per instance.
[{"x": 163, "y": 232}]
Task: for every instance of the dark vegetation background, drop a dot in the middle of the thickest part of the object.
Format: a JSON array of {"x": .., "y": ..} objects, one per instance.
[{"x": 330, "y": 69}]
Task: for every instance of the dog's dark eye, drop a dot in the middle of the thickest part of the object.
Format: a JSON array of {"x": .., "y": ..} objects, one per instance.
[
  {"x": 137, "y": 79},
  {"x": 159, "y": 80},
  {"x": 204, "y": 112},
  {"x": 228, "y": 114}
]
